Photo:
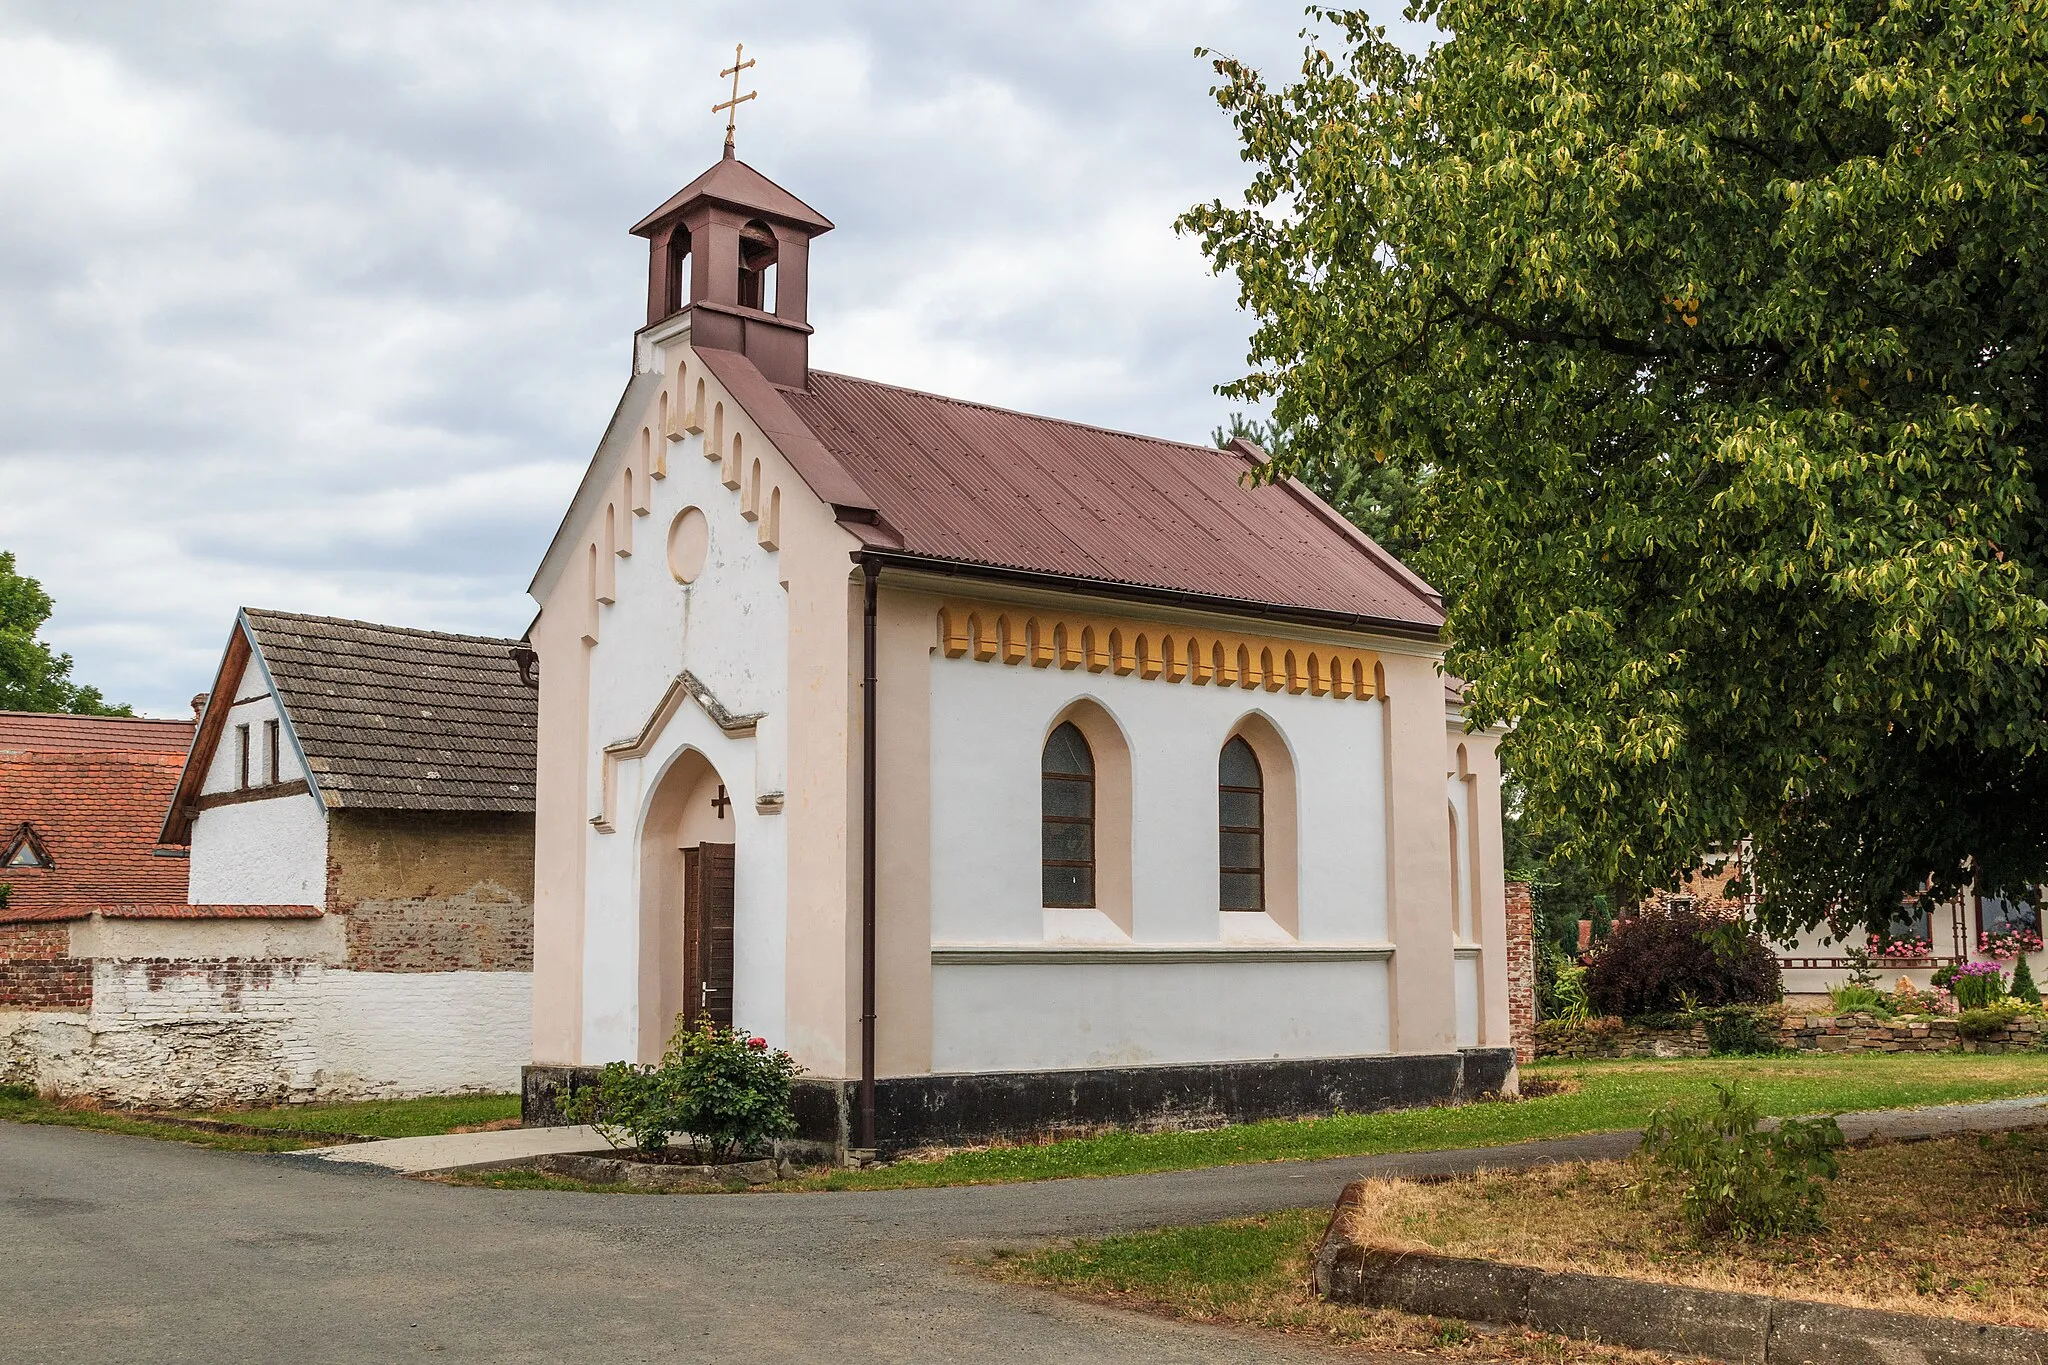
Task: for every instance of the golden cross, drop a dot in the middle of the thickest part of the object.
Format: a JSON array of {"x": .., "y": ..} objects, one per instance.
[{"x": 731, "y": 108}]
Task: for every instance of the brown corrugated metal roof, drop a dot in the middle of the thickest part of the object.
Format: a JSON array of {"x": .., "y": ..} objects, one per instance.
[
  {"x": 398, "y": 719},
  {"x": 971, "y": 484},
  {"x": 737, "y": 184},
  {"x": 41, "y": 732}
]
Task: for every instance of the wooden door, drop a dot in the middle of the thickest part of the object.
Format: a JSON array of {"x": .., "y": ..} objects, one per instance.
[{"x": 707, "y": 933}]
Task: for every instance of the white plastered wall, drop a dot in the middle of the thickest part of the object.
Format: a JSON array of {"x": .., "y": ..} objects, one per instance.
[
  {"x": 988, "y": 726},
  {"x": 729, "y": 627},
  {"x": 266, "y": 852},
  {"x": 234, "y": 1031}
]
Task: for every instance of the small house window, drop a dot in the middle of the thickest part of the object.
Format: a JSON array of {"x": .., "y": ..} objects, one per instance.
[
  {"x": 241, "y": 755},
  {"x": 1067, "y": 809},
  {"x": 270, "y": 754},
  {"x": 1241, "y": 787},
  {"x": 2017, "y": 913}
]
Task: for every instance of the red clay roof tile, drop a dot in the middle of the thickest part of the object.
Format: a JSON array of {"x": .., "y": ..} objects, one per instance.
[{"x": 97, "y": 814}]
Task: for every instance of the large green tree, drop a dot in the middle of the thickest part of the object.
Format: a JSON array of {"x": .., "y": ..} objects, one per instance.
[
  {"x": 33, "y": 677},
  {"x": 1718, "y": 329}
]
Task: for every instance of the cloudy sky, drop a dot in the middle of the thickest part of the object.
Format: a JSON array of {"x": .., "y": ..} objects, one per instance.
[{"x": 324, "y": 307}]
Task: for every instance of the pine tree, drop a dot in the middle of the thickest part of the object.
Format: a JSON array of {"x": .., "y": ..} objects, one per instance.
[{"x": 2023, "y": 988}]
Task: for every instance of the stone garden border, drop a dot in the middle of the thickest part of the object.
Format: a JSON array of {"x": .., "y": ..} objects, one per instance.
[{"x": 1757, "y": 1329}]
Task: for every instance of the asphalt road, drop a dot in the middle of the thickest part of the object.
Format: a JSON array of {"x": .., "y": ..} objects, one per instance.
[{"x": 127, "y": 1249}]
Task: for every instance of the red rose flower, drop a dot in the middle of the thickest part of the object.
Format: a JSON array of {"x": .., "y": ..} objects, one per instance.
[{"x": 757, "y": 1042}]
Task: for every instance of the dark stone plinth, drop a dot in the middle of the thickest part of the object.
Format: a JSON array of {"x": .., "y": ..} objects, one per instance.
[{"x": 965, "y": 1108}]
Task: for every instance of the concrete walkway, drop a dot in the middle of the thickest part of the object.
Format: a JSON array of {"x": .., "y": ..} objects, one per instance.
[
  {"x": 452, "y": 1151},
  {"x": 131, "y": 1250}
]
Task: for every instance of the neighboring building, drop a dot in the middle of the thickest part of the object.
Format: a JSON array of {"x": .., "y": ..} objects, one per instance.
[
  {"x": 1921, "y": 938},
  {"x": 1161, "y": 811},
  {"x": 81, "y": 800},
  {"x": 357, "y": 921}
]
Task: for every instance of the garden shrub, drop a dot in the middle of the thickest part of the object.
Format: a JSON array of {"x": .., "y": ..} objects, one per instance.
[
  {"x": 1568, "y": 994},
  {"x": 1744, "y": 1182},
  {"x": 1986, "y": 1022},
  {"x": 727, "y": 1092},
  {"x": 1978, "y": 985},
  {"x": 1739, "y": 1031},
  {"x": 1667, "y": 959},
  {"x": 2023, "y": 988},
  {"x": 1854, "y": 999}
]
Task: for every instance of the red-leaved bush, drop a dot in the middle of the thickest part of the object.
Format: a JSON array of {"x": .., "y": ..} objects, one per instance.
[{"x": 1663, "y": 960}]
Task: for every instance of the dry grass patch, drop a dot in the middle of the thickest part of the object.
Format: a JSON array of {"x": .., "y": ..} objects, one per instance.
[
  {"x": 1953, "y": 1227},
  {"x": 1254, "y": 1272}
]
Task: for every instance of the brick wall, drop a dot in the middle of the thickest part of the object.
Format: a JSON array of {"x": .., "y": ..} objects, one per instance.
[
  {"x": 1521, "y": 971},
  {"x": 433, "y": 891},
  {"x": 37, "y": 971}
]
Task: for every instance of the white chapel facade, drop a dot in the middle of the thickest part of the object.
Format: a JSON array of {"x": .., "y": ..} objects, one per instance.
[{"x": 1030, "y": 773}]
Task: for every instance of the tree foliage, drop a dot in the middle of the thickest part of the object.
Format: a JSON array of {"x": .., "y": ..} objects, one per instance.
[
  {"x": 1377, "y": 498},
  {"x": 1710, "y": 337},
  {"x": 33, "y": 677}
]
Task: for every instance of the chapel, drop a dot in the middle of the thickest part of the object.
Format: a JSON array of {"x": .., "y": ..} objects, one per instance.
[{"x": 1015, "y": 774}]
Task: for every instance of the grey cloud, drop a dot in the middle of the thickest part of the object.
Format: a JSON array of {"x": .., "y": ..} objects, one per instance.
[{"x": 323, "y": 307}]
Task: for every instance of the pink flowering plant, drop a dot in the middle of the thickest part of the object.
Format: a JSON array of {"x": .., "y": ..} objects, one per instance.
[
  {"x": 1977, "y": 984},
  {"x": 1901, "y": 949},
  {"x": 2009, "y": 942}
]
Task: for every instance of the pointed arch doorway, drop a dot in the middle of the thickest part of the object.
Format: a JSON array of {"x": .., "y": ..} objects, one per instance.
[{"x": 688, "y": 848}]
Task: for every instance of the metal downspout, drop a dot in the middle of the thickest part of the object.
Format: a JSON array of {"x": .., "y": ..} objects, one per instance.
[{"x": 870, "y": 573}]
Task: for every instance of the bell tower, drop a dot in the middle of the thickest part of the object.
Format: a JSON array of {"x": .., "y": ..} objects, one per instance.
[{"x": 733, "y": 248}]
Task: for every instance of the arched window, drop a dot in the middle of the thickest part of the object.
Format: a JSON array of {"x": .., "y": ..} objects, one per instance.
[
  {"x": 1242, "y": 788},
  {"x": 1067, "y": 807}
]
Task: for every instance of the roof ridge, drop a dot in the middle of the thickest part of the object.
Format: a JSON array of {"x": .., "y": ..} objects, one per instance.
[
  {"x": 1031, "y": 416},
  {"x": 73, "y": 715},
  {"x": 269, "y": 613}
]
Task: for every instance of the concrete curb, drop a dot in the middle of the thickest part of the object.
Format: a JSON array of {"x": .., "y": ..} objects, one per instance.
[{"x": 1719, "y": 1324}]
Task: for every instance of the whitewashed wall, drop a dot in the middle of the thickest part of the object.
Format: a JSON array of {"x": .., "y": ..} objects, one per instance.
[
  {"x": 270, "y": 852},
  {"x": 237, "y": 1032},
  {"x": 989, "y": 723},
  {"x": 1038, "y": 1015},
  {"x": 729, "y": 627}
]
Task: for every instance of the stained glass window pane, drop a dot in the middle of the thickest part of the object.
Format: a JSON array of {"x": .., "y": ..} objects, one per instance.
[
  {"x": 1068, "y": 796},
  {"x": 1243, "y": 891},
  {"x": 1066, "y": 751},
  {"x": 1069, "y": 887},
  {"x": 1240, "y": 766},
  {"x": 1241, "y": 852},
  {"x": 1241, "y": 810}
]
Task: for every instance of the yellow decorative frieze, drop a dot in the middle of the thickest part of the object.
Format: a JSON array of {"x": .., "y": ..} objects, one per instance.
[{"x": 1171, "y": 653}]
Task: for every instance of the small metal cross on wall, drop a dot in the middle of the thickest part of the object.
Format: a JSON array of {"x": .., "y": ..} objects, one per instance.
[
  {"x": 721, "y": 801},
  {"x": 731, "y": 108}
]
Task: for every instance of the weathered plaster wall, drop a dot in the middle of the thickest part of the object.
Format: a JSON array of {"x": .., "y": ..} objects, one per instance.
[
  {"x": 430, "y": 891},
  {"x": 237, "y": 1032}
]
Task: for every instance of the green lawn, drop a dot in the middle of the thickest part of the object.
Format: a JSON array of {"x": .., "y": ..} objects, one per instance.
[
  {"x": 1601, "y": 1096},
  {"x": 380, "y": 1118},
  {"x": 372, "y": 1118},
  {"x": 1254, "y": 1273}
]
